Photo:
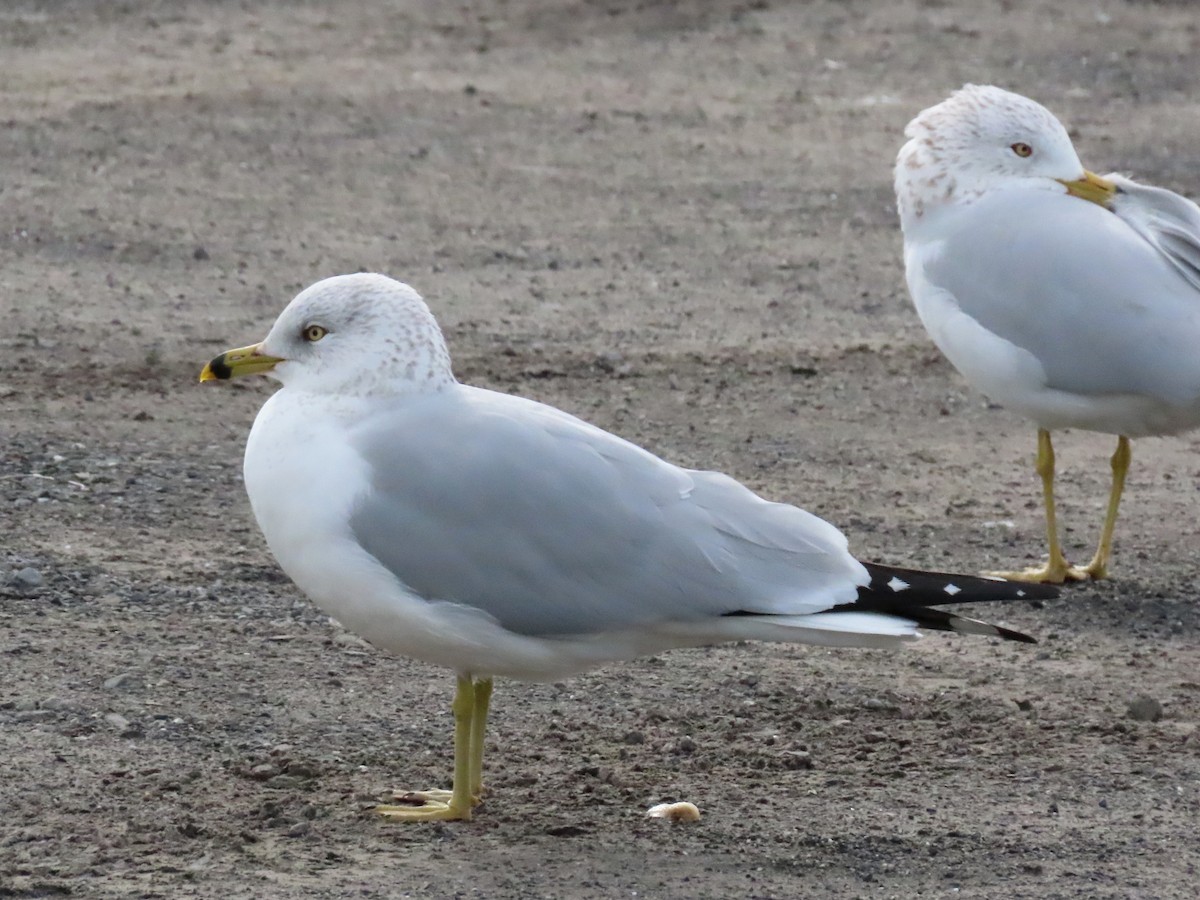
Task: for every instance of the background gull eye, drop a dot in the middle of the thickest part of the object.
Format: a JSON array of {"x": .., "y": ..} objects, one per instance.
[
  {"x": 314, "y": 333},
  {"x": 1022, "y": 149}
]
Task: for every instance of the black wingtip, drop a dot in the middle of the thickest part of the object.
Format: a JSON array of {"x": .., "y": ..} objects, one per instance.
[
  {"x": 946, "y": 587},
  {"x": 914, "y": 594}
]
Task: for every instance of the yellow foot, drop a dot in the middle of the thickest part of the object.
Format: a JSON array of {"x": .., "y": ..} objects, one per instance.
[
  {"x": 1049, "y": 574},
  {"x": 425, "y": 806}
]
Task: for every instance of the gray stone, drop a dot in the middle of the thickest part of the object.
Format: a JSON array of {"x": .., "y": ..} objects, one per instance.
[
  {"x": 1144, "y": 708},
  {"x": 34, "y": 715},
  {"x": 263, "y": 771},
  {"x": 797, "y": 759},
  {"x": 124, "y": 680},
  {"x": 27, "y": 578}
]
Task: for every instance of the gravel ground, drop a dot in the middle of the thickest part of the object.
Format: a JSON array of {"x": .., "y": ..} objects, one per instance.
[{"x": 676, "y": 220}]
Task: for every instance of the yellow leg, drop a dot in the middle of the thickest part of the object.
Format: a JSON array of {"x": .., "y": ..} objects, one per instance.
[
  {"x": 469, "y": 725},
  {"x": 1057, "y": 569},
  {"x": 1098, "y": 567},
  {"x": 483, "y": 700}
]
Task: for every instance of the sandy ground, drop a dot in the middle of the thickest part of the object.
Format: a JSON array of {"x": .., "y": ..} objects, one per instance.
[{"x": 676, "y": 220}]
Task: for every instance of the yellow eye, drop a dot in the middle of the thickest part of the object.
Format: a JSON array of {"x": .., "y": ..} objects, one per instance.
[
  {"x": 1022, "y": 150},
  {"x": 314, "y": 333}
]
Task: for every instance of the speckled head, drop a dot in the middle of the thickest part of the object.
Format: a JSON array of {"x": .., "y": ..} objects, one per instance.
[
  {"x": 361, "y": 334},
  {"x": 980, "y": 138}
]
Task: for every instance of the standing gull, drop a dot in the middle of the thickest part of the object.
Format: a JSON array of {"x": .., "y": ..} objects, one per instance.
[
  {"x": 499, "y": 536},
  {"x": 1070, "y": 298}
]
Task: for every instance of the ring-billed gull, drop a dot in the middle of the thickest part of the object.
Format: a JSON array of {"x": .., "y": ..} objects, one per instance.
[
  {"x": 499, "y": 536},
  {"x": 1071, "y": 298}
]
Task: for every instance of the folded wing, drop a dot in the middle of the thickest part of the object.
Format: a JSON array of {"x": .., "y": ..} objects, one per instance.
[{"x": 554, "y": 527}]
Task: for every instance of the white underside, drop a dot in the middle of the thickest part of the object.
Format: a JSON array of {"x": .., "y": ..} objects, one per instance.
[{"x": 472, "y": 643}]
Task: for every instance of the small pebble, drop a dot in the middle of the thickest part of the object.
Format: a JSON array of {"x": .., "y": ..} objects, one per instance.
[
  {"x": 116, "y": 682},
  {"x": 1144, "y": 708},
  {"x": 34, "y": 715},
  {"x": 675, "y": 812},
  {"x": 27, "y": 578},
  {"x": 263, "y": 771},
  {"x": 795, "y": 760},
  {"x": 189, "y": 829}
]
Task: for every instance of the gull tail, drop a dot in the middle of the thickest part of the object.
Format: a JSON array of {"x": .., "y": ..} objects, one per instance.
[{"x": 912, "y": 594}]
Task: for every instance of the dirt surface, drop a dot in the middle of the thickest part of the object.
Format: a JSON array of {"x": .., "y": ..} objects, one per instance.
[{"x": 676, "y": 220}]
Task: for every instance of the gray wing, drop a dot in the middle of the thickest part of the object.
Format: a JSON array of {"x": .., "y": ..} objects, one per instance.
[
  {"x": 553, "y": 526},
  {"x": 1101, "y": 308},
  {"x": 1166, "y": 220}
]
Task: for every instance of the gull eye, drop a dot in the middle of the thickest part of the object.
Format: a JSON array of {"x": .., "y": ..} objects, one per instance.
[
  {"x": 314, "y": 333},
  {"x": 1022, "y": 149}
]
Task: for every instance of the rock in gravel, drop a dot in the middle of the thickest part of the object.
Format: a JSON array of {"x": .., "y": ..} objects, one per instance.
[
  {"x": 303, "y": 769},
  {"x": 797, "y": 759},
  {"x": 34, "y": 715},
  {"x": 263, "y": 771},
  {"x": 27, "y": 578},
  {"x": 1144, "y": 708},
  {"x": 118, "y": 682},
  {"x": 346, "y": 639},
  {"x": 675, "y": 812}
]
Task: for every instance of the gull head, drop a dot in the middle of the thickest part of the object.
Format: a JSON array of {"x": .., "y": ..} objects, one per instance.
[
  {"x": 361, "y": 334},
  {"x": 981, "y": 139}
]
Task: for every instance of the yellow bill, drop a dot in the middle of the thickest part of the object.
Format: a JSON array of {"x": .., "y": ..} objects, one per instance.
[
  {"x": 235, "y": 363},
  {"x": 1091, "y": 187}
]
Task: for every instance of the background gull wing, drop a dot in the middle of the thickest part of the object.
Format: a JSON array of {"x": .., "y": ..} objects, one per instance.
[
  {"x": 1101, "y": 309},
  {"x": 553, "y": 527}
]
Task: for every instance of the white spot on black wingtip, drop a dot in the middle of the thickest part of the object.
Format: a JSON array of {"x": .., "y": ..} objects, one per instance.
[
  {"x": 952, "y": 589},
  {"x": 1020, "y": 593},
  {"x": 897, "y": 584}
]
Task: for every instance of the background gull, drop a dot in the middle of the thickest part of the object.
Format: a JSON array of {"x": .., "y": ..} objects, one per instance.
[
  {"x": 1070, "y": 298},
  {"x": 499, "y": 536}
]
